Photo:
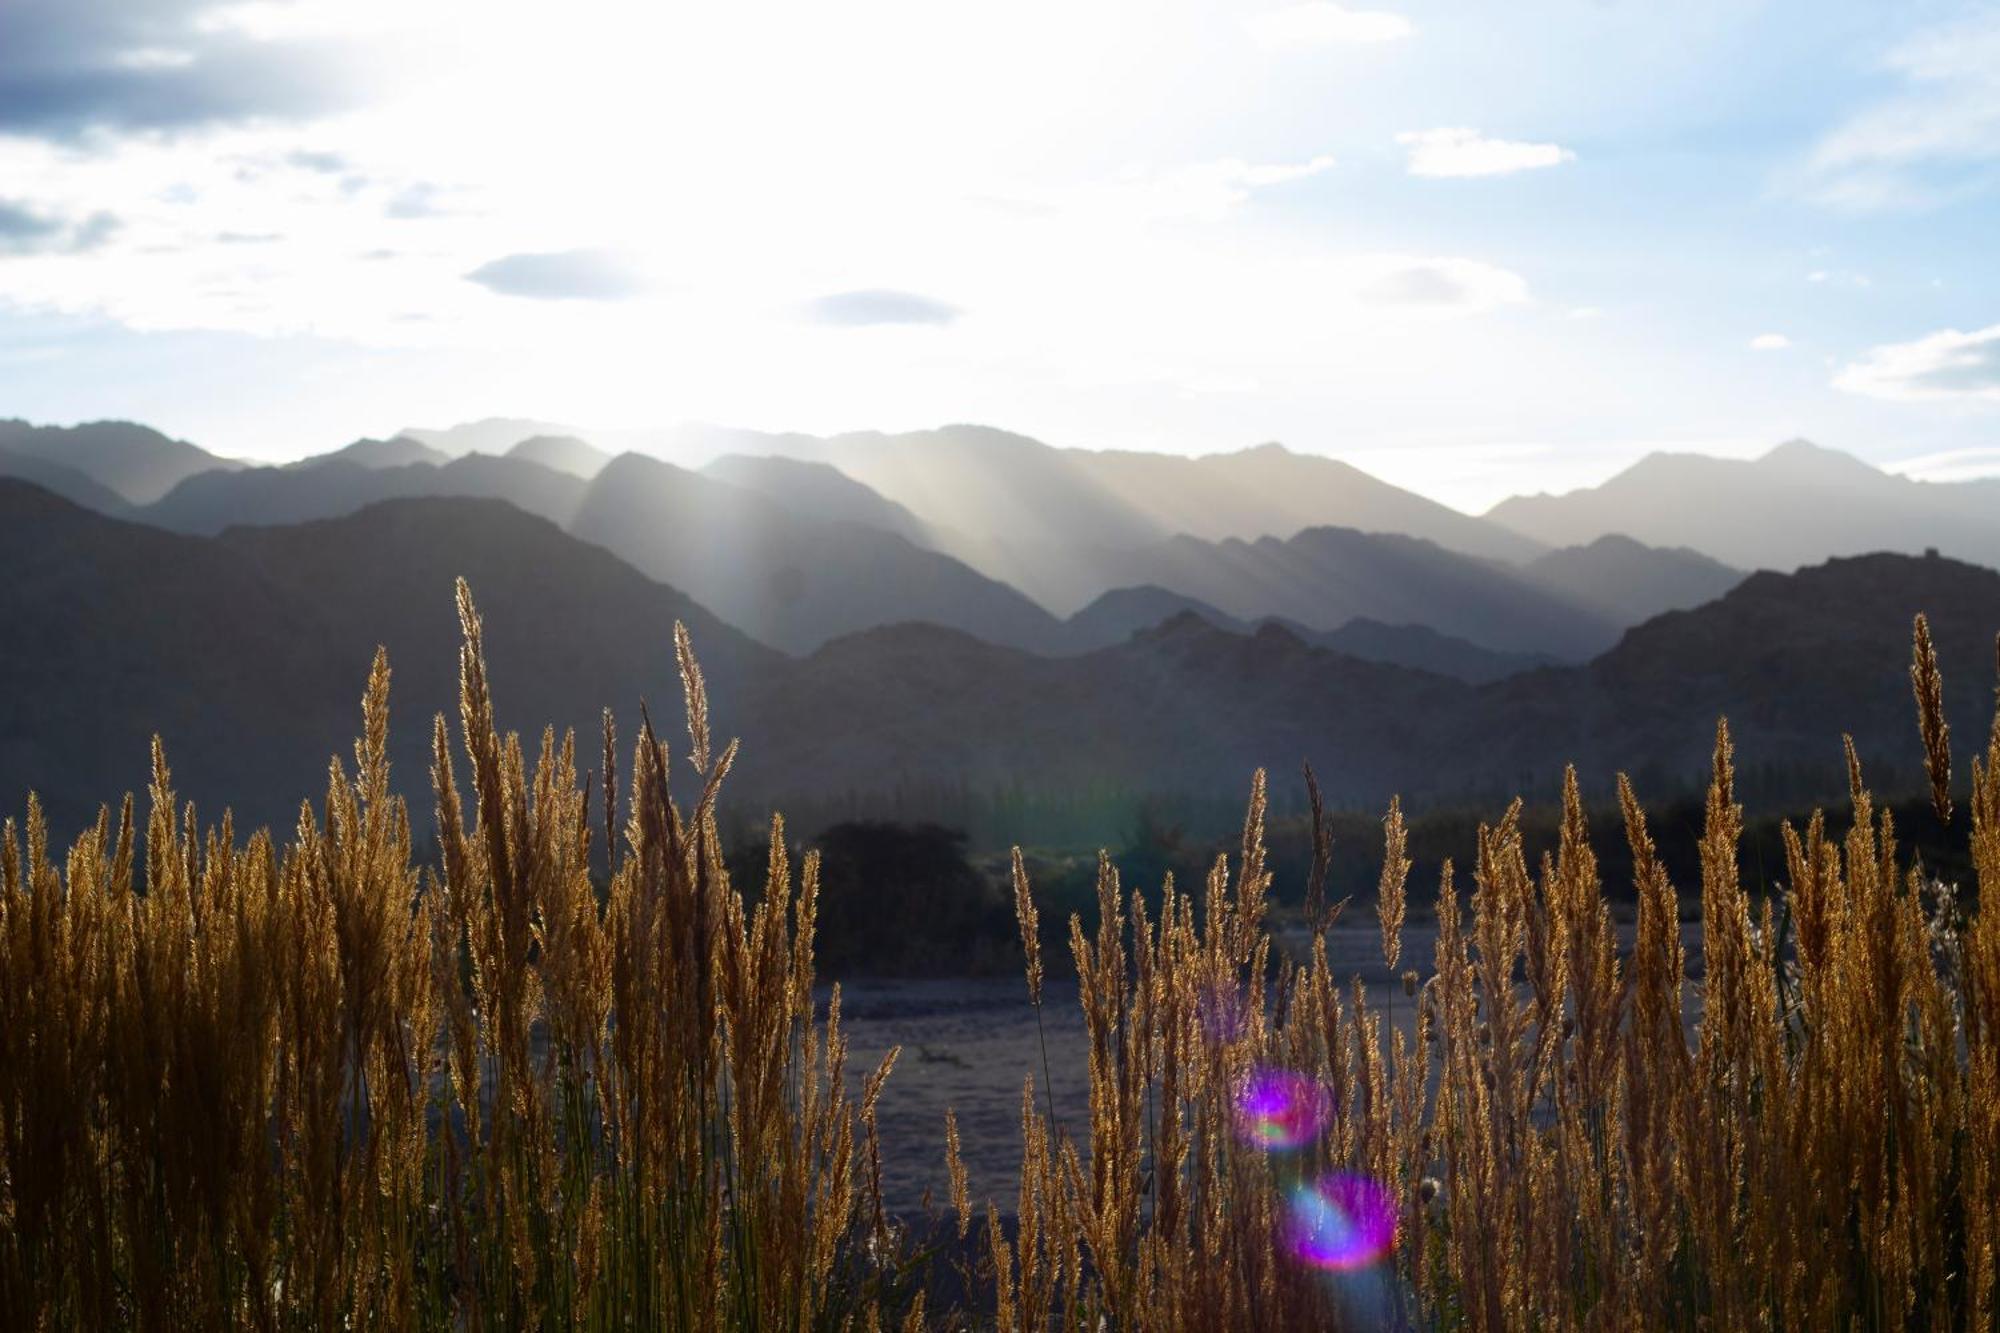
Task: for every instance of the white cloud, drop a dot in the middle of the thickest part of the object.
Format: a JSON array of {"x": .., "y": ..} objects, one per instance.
[
  {"x": 562, "y": 275},
  {"x": 1443, "y": 284},
  {"x": 1938, "y": 138},
  {"x": 1949, "y": 465},
  {"x": 1456, "y": 151},
  {"x": 1770, "y": 342},
  {"x": 1323, "y": 24},
  {"x": 879, "y": 305},
  {"x": 1945, "y": 365}
]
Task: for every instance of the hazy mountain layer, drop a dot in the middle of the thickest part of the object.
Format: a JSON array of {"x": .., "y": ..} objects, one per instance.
[
  {"x": 817, "y": 490},
  {"x": 1329, "y": 576},
  {"x": 1004, "y": 498},
  {"x": 784, "y": 576},
  {"x": 213, "y": 501},
  {"x": 248, "y": 654},
  {"x": 135, "y": 462},
  {"x": 1629, "y": 582},
  {"x": 1796, "y": 505},
  {"x": 61, "y": 479},
  {"x": 564, "y": 453},
  {"x": 1123, "y": 612},
  {"x": 401, "y": 451}
]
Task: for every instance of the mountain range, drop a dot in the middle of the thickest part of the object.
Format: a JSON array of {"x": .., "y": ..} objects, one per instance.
[
  {"x": 137, "y": 464},
  {"x": 1797, "y": 504},
  {"x": 247, "y": 652},
  {"x": 798, "y": 541},
  {"x": 781, "y": 538}
]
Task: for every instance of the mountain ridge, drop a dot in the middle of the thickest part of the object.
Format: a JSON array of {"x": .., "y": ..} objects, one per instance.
[
  {"x": 1796, "y": 504},
  {"x": 248, "y": 651}
]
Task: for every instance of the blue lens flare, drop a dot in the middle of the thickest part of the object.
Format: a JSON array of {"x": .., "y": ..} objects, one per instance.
[{"x": 1340, "y": 1223}]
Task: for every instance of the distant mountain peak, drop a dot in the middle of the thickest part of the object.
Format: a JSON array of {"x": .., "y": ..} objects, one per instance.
[
  {"x": 397, "y": 451},
  {"x": 564, "y": 453},
  {"x": 488, "y": 435},
  {"x": 137, "y": 462},
  {"x": 1186, "y": 624},
  {"x": 1800, "y": 455}
]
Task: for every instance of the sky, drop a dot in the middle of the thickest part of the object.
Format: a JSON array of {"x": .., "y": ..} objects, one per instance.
[{"x": 1475, "y": 248}]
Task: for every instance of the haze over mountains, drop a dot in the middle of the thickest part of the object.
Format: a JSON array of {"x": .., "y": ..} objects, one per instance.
[
  {"x": 135, "y": 463},
  {"x": 780, "y": 536},
  {"x": 1794, "y": 505},
  {"x": 1171, "y": 624},
  {"x": 247, "y": 652}
]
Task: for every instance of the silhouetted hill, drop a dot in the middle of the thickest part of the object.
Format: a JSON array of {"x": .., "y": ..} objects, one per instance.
[
  {"x": 1182, "y": 707},
  {"x": 248, "y": 651},
  {"x": 61, "y": 479},
  {"x": 1123, "y": 612},
  {"x": 1629, "y": 582},
  {"x": 136, "y": 462},
  {"x": 571, "y": 629},
  {"x": 1069, "y": 525},
  {"x": 1425, "y": 649},
  {"x": 790, "y": 580},
  {"x": 491, "y": 435},
  {"x": 116, "y": 631},
  {"x": 216, "y": 500},
  {"x": 1793, "y": 660},
  {"x": 1329, "y": 576},
  {"x": 1796, "y": 505},
  {"x": 398, "y": 452}
]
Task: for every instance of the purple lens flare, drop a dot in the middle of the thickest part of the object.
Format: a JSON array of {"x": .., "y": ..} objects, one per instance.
[
  {"x": 1341, "y": 1223},
  {"x": 1279, "y": 1110}
]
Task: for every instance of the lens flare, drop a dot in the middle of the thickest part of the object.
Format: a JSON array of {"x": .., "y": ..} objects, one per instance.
[
  {"x": 1341, "y": 1223},
  {"x": 1279, "y": 1109}
]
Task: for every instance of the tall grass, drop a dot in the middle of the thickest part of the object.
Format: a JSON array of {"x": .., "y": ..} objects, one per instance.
[{"x": 310, "y": 1085}]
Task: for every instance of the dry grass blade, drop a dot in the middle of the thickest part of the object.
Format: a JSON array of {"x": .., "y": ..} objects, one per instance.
[
  {"x": 1928, "y": 685},
  {"x": 1389, "y": 904},
  {"x": 1317, "y": 917}
]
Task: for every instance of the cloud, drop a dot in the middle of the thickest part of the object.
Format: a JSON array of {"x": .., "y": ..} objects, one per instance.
[
  {"x": 1936, "y": 139},
  {"x": 1949, "y": 465},
  {"x": 71, "y": 66},
  {"x": 325, "y": 163},
  {"x": 872, "y": 306},
  {"x": 1454, "y": 151},
  {"x": 421, "y": 200},
  {"x": 1323, "y": 24},
  {"x": 26, "y": 231},
  {"x": 562, "y": 275},
  {"x": 1770, "y": 342},
  {"x": 1942, "y": 366},
  {"x": 1442, "y": 285}
]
